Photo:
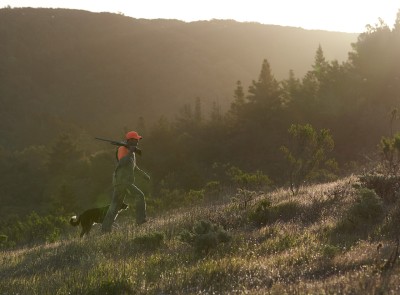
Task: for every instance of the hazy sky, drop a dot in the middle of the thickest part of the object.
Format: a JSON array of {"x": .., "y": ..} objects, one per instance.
[{"x": 332, "y": 15}]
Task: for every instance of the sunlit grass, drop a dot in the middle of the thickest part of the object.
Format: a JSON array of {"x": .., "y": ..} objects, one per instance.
[{"x": 295, "y": 252}]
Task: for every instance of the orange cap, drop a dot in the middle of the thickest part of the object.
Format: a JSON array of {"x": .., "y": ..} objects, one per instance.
[{"x": 133, "y": 134}]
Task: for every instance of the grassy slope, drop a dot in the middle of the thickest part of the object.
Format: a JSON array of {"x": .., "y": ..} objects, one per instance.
[{"x": 301, "y": 250}]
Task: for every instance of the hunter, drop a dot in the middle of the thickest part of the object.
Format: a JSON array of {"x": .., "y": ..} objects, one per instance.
[{"x": 123, "y": 182}]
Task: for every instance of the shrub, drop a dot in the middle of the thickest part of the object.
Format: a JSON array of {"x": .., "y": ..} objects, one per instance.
[
  {"x": 307, "y": 154},
  {"x": 205, "y": 236},
  {"x": 212, "y": 189},
  {"x": 265, "y": 213},
  {"x": 149, "y": 241},
  {"x": 369, "y": 206},
  {"x": 330, "y": 251},
  {"x": 176, "y": 198},
  {"x": 194, "y": 196},
  {"x": 367, "y": 210},
  {"x": 241, "y": 179},
  {"x": 390, "y": 154},
  {"x": 34, "y": 229},
  {"x": 386, "y": 186},
  {"x": 260, "y": 215},
  {"x": 113, "y": 286},
  {"x": 244, "y": 197},
  {"x": 3, "y": 240}
]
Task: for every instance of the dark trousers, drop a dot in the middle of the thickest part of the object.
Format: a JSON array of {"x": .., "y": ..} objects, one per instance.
[{"x": 119, "y": 194}]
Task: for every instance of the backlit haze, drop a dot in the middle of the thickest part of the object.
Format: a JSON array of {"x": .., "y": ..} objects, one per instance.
[{"x": 331, "y": 15}]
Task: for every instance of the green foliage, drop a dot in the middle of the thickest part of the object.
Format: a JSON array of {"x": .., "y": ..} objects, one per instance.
[
  {"x": 265, "y": 93},
  {"x": 308, "y": 151},
  {"x": 58, "y": 163},
  {"x": 113, "y": 286},
  {"x": 260, "y": 215},
  {"x": 171, "y": 199},
  {"x": 390, "y": 155},
  {"x": 366, "y": 211},
  {"x": 273, "y": 259},
  {"x": 205, "y": 236},
  {"x": 369, "y": 206},
  {"x": 3, "y": 240},
  {"x": 330, "y": 251},
  {"x": 244, "y": 197},
  {"x": 150, "y": 241},
  {"x": 34, "y": 229},
  {"x": 386, "y": 186},
  {"x": 244, "y": 180},
  {"x": 212, "y": 190},
  {"x": 265, "y": 213}
]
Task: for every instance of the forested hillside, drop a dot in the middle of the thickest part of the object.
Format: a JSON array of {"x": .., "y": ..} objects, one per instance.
[
  {"x": 69, "y": 69},
  {"x": 67, "y": 76}
]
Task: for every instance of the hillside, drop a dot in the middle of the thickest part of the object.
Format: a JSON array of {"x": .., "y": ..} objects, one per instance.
[
  {"x": 63, "y": 70},
  {"x": 333, "y": 238}
]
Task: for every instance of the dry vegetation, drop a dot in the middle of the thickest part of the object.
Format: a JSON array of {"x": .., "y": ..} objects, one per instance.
[{"x": 325, "y": 240}]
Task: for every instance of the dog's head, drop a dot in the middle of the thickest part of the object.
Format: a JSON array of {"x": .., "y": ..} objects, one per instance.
[{"x": 123, "y": 206}]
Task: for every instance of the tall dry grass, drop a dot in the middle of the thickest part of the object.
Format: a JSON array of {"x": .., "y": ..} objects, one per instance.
[{"x": 306, "y": 245}]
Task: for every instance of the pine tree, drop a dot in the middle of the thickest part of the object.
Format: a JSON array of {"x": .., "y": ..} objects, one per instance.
[
  {"x": 291, "y": 88},
  {"x": 320, "y": 66},
  {"x": 266, "y": 90}
]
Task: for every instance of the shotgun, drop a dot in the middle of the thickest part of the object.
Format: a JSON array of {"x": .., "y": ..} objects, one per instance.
[{"x": 120, "y": 143}]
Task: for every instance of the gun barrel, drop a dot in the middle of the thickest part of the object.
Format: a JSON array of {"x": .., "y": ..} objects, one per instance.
[{"x": 118, "y": 143}]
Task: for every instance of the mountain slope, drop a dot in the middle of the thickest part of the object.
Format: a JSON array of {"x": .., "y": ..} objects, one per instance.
[
  {"x": 277, "y": 245},
  {"x": 102, "y": 71}
]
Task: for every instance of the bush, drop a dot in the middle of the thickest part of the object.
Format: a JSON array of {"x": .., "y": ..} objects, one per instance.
[
  {"x": 149, "y": 241},
  {"x": 265, "y": 213},
  {"x": 260, "y": 215},
  {"x": 212, "y": 189},
  {"x": 3, "y": 240},
  {"x": 113, "y": 286},
  {"x": 176, "y": 198},
  {"x": 244, "y": 180},
  {"x": 205, "y": 236},
  {"x": 369, "y": 206},
  {"x": 34, "y": 229},
  {"x": 367, "y": 210},
  {"x": 307, "y": 155},
  {"x": 243, "y": 198},
  {"x": 387, "y": 187}
]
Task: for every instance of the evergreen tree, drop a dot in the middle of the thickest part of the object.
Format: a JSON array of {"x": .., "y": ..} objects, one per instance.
[
  {"x": 320, "y": 66},
  {"x": 239, "y": 98},
  {"x": 290, "y": 88},
  {"x": 265, "y": 91}
]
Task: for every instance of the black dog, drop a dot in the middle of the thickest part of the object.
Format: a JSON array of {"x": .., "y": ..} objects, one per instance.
[{"x": 92, "y": 216}]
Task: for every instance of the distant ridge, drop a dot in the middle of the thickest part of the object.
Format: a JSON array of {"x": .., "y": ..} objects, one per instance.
[{"x": 104, "y": 70}]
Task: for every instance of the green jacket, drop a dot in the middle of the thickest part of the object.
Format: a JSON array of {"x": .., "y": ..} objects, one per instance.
[{"x": 124, "y": 172}]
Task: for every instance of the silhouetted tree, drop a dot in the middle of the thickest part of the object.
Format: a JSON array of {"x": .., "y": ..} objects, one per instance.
[{"x": 265, "y": 92}]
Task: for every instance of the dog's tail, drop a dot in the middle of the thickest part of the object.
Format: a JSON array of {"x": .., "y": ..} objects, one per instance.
[{"x": 74, "y": 221}]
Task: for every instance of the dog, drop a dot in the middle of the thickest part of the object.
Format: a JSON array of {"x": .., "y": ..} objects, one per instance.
[{"x": 91, "y": 216}]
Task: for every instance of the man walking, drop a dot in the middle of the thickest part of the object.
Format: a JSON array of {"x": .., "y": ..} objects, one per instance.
[{"x": 123, "y": 182}]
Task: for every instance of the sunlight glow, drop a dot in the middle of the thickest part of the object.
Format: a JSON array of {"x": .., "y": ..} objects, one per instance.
[{"x": 339, "y": 15}]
